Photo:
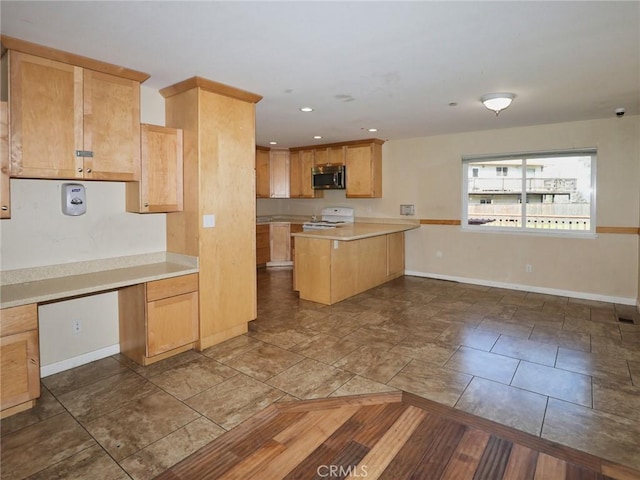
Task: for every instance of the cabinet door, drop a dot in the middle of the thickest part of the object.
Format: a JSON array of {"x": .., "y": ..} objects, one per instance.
[
  {"x": 263, "y": 180},
  {"x": 336, "y": 155},
  {"x": 280, "y": 242},
  {"x": 395, "y": 254},
  {"x": 321, "y": 156},
  {"x": 5, "y": 195},
  {"x": 160, "y": 186},
  {"x": 363, "y": 170},
  {"x": 295, "y": 175},
  {"x": 46, "y": 117},
  {"x": 263, "y": 244},
  {"x": 171, "y": 323},
  {"x": 279, "y": 173},
  {"x": 111, "y": 127}
]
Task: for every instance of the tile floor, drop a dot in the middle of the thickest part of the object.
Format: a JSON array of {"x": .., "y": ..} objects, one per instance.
[{"x": 562, "y": 368}]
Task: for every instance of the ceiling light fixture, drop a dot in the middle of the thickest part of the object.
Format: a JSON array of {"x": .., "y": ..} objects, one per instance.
[
  {"x": 372, "y": 130},
  {"x": 306, "y": 109},
  {"x": 317, "y": 137},
  {"x": 273, "y": 143},
  {"x": 497, "y": 101}
]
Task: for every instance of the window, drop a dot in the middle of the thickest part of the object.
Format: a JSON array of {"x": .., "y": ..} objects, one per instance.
[{"x": 542, "y": 192}]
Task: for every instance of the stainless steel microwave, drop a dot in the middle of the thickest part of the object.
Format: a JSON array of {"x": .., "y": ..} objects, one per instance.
[{"x": 329, "y": 176}]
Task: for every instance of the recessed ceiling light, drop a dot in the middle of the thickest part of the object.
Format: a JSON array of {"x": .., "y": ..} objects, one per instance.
[
  {"x": 317, "y": 137},
  {"x": 273, "y": 143},
  {"x": 372, "y": 129},
  {"x": 306, "y": 109}
]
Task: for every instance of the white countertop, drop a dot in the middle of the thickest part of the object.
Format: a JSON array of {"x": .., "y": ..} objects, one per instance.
[
  {"x": 357, "y": 231},
  {"x": 36, "y": 285}
]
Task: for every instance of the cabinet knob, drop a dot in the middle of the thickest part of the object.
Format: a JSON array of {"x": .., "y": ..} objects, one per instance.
[
  {"x": 4, "y": 208},
  {"x": 146, "y": 204},
  {"x": 88, "y": 170},
  {"x": 80, "y": 170}
]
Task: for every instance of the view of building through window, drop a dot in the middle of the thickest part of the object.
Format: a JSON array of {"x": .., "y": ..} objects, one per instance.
[{"x": 529, "y": 192}]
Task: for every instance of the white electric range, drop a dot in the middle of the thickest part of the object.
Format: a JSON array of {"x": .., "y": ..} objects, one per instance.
[{"x": 331, "y": 217}]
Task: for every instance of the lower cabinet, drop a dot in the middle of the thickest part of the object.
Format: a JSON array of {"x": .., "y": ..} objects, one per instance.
[
  {"x": 263, "y": 245},
  {"x": 20, "y": 359},
  {"x": 158, "y": 319}
]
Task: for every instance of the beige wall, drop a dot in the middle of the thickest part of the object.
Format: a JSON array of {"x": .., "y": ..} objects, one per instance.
[
  {"x": 427, "y": 172},
  {"x": 39, "y": 234}
]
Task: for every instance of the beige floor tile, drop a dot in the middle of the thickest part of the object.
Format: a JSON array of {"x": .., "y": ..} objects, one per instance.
[
  {"x": 326, "y": 348},
  {"x": 438, "y": 384},
  {"x": 230, "y": 348},
  {"x": 507, "y": 405},
  {"x": 561, "y": 338},
  {"x": 91, "y": 463},
  {"x": 234, "y": 400},
  {"x": 617, "y": 398},
  {"x": 283, "y": 338},
  {"x": 125, "y": 431},
  {"x": 611, "y": 330},
  {"x": 483, "y": 364},
  {"x": 75, "y": 378},
  {"x": 433, "y": 353},
  {"x": 310, "y": 379},
  {"x": 159, "y": 456},
  {"x": 596, "y": 365},
  {"x": 107, "y": 395},
  {"x": 525, "y": 316},
  {"x": 614, "y": 348},
  {"x": 38, "y": 446},
  {"x": 375, "y": 337},
  {"x": 374, "y": 363},
  {"x": 359, "y": 385},
  {"x": 159, "y": 367},
  {"x": 592, "y": 431},
  {"x": 337, "y": 325},
  {"x": 189, "y": 379},
  {"x": 553, "y": 382},
  {"x": 634, "y": 368},
  {"x": 46, "y": 406},
  {"x": 469, "y": 337},
  {"x": 528, "y": 350},
  {"x": 504, "y": 327},
  {"x": 532, "y": 303},
  {"x": 263, "y": 362}
]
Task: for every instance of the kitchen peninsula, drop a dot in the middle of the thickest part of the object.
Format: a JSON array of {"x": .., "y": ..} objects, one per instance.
[{"x": 335, "y": 264}]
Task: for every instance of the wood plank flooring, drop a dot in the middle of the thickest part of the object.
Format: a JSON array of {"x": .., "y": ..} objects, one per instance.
[{"x": 391, "y": 436}]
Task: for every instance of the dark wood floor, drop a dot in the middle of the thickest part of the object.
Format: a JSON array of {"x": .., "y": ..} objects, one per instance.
[{"x": 393, "y": 436}]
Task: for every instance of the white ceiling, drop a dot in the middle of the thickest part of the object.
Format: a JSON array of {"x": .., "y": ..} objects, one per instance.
[{"x": 391, "y": 65}]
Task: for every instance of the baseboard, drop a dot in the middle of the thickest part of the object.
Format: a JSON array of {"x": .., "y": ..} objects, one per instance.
[
  {"x": 528, "y": 288},
  {"x": 83, "y": 359}
]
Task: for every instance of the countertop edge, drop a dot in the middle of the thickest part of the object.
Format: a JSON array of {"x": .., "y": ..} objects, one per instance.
[{"x": 356, "y": 231}]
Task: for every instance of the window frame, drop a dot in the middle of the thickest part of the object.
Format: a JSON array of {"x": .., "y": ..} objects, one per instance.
[{"x": 524, "y": 157}]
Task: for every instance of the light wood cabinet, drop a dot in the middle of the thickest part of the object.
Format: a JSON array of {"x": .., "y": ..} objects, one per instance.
[
  {"x": 20, "y": 359},
  {"x": 5, "y": 193},
  {"x": 263, "y": 178},
  {"x": 263, "y": 244},
  {"x": 279, "y": 173},
  {"x": 219, "y": 170},
  {"x": 300, "y": 182},
  {"x": 363, "y": 163},
  {"x": 328, "y": 271},
  {"x": 72, "y": 122},
  {"x": 280, "y": 241},
  {"x": 158, "y": 319},
  {"x": 335, "y": 154},
  {"x": 160, "y": 187}
]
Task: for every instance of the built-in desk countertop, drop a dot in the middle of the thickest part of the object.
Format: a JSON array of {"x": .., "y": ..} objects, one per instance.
[
  {"x": 58, "y": 282},
  {"x": 357, "y": 231}
]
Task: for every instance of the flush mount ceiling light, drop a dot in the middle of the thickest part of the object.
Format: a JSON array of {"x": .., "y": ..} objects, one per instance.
[
  {"x": 306, "y": 109},
  {"x": 497, "y": 101}
]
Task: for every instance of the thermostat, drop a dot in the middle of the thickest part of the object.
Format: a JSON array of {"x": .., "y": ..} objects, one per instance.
[{"x": 74, "y": 199}]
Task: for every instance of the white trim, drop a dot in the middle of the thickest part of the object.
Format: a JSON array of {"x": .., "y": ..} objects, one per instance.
[
  {"x": 527, "y": 288},
  {"x": 283, "y": 263},
  {"x": 83, "y": 359}
]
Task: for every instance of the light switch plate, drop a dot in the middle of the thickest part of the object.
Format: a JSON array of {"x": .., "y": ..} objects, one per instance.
[
  {"x": 407, "y": 209},
  {"x": 208, "y": 221}
]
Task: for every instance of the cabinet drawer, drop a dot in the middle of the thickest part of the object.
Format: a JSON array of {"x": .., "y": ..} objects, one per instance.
[
  {"x": 18, "y": 319},
  {"x": 170, "y": 287}
]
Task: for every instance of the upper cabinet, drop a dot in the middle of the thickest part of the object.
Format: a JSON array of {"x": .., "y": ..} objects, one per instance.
[
  {"x": 363, "y": 164},
  {"x": 279, "y": 173},
  {"x": 300, "y": 186},
  {"x": 263, "y": 179},
  {"x": 160, "y": 187},
  {"x": 71, "y": 117}
]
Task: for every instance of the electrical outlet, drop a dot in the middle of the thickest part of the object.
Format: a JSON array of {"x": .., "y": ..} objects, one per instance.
[
  {"x": 76, "y": 327},
  {"x": 528, "y": 268}
]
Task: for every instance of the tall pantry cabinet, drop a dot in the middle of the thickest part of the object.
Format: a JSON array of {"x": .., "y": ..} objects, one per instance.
[{"x": 217, "y": 223}]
